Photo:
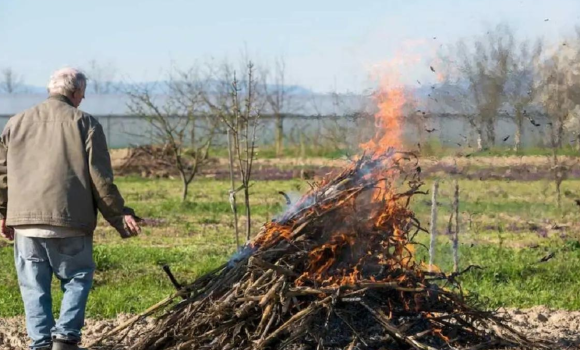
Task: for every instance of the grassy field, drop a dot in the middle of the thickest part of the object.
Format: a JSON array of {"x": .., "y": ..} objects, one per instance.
[{"x": 507, "y": 227}]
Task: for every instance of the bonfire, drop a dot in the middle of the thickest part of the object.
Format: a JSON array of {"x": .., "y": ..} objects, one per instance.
[{"x": 336, "y": 270}]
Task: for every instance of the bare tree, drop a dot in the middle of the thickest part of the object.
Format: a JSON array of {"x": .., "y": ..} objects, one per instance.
[
  {"x": 10, "y": 82},
  {"x": 522, "y": 85},
  {"x": 243, "y": 129},
  {"x": 101, "y": 77},
  {"x": 279, "y": 99},
  {"x": 559, "y": 95},
  {"x": 178, "y": 123},
  {"x": 216, "y": 96},
  {"x": 485, "y": 68},
  {"x": 238, "y": 104},
  {"x": 571, "y": 54}
]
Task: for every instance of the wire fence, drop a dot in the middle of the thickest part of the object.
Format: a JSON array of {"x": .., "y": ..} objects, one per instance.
[{"x": 337, "y": 131}]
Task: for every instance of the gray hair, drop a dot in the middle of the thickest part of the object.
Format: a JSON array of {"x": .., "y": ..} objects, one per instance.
[{"x": 66, "y": 81}]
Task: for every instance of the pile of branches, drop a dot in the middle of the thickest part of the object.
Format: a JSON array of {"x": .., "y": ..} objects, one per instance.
[
  {"x": 335, "y": 271},
  {"x": 148, "y": 160},
  {"x": 157, "y": 161}
]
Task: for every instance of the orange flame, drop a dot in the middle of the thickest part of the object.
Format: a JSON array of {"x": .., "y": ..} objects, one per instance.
[
  {"x": 387, "y": 124},
  {"x": 373, "y": 236},
  {"x": 390, "y": 99}
]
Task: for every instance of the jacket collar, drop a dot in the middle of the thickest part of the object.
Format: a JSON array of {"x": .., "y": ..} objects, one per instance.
[{"x": 61, "y": 98}]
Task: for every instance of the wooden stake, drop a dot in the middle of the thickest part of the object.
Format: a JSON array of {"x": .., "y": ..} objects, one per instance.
[
  {"x": 433, "y": 227},
  {"x": 456, "y": 231}
]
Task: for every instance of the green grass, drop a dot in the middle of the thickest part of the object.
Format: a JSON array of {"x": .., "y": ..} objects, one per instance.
[
  {"x": 434, "y": 148},
  {"x": 506, "y": 228},
  {"x": 515, "y": 277},
  {"x": 529, "y": 151}
]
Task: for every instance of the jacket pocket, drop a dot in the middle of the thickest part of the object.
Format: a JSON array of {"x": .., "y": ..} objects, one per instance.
[{"x": 72, "y": 246}]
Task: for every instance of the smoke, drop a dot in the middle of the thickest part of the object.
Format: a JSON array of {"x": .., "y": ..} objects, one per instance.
[{"x": 245, "y": 252}]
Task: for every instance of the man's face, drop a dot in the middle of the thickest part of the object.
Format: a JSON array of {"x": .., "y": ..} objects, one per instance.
[{"x": 78, "y": 97}]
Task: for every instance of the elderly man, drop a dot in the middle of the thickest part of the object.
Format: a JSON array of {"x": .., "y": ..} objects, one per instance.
[{"x": 55, "y": 172}]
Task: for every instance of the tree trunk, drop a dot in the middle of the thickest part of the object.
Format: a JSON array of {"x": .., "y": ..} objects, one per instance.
[
  {"x": 479, "y": 139},
  {"x": 490, "y": 128},
  {"x": 192, "y": 135},
  {"x": 519, "y": 130},
  {"x": 248, "y": 213},
  {"x": 578, "y": 142},
  {"x": 185, "y": 188},
  {"x": 558, "y": 176},
  {"x": 476, "y": 123},
  {"x": 560, "y": 135},
  {"x": 279, "y": 134}
]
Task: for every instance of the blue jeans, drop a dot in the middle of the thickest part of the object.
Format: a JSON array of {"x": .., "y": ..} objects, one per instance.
[{"x": 71, "y": 260}]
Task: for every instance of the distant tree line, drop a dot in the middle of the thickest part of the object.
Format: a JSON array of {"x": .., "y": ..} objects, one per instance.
[{"x": 496, "y": 72}]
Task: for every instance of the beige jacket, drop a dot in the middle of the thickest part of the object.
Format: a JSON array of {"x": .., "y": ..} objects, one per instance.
[{"x": 55, "y": 169}]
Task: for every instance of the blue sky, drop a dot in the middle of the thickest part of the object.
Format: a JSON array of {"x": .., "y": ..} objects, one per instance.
[{"x": 327, "y": 45}]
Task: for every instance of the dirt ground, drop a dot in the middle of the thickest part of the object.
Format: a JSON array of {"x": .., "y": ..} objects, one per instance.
[
  {"x": 560, "y": 327},
  {"x": 525, "y": 168},
  {"x": 13, "y": 331}
]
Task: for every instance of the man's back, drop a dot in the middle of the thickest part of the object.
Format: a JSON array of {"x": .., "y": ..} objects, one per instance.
[
  {"x": 55, "y": 172},
  {"x": 48, "y": 175}
]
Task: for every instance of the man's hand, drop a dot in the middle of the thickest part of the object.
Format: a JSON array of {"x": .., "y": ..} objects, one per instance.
[
  {"x": 6, "y": 232},
  {"x": 132, "y": 225}
]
